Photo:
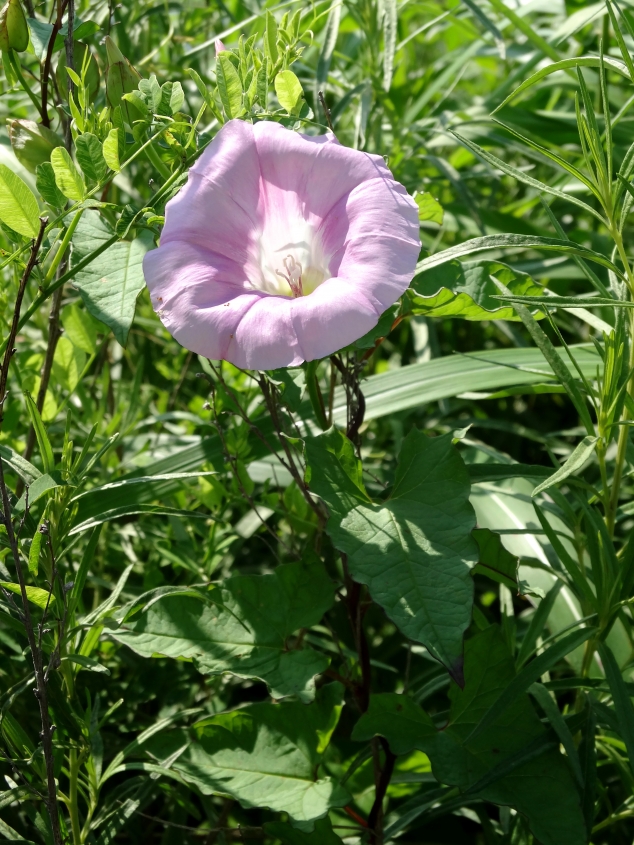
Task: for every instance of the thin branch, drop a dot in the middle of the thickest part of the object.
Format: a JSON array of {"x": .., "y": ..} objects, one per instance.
[
  {"x": 9, "y": 350},
  {"x": 46, "y": 69},
  {"x": 36, "y": 656}
]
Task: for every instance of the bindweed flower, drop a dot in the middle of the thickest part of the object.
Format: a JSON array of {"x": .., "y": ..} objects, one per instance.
[
  {"x": 220, "y": 47},
  {"x": 281, "y": 248}
]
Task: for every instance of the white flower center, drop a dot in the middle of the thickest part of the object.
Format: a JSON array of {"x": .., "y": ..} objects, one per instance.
[{"x": 288, "y": 260}]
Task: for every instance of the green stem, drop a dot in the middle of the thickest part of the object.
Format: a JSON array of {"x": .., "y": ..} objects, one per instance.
[
  {"x": 73, "y": 795},
  {"x": 155, "y": 160},
  {"x": 17, "y": 69},
  {"x": 70, "y": 231},
  {"x": 39, "y": 300},
  {"x": 625, "y": 416}
]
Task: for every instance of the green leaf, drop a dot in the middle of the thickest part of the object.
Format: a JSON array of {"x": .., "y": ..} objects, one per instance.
[
  {"x": 18, "y": 464},
  {"x": 110, "y": 285},
  {"x": 47, "y": 186},
  {"x": 514, "y": 763},
  {"x": 34, "y": 552},
  {"x": 42, "y": 485},
  {"x": 522, "y": 176},
  {"x": 573, "y": 464},
  {"x": 514, "y": 242},
  {"x": 565, "y": 378},
  {"x": 89, "y": 153},
  {"x": 565, "y": 64},
  {"x": 495, "y": 561},
  {"x": 87, "y": 663},
  {"x": 18, "y": 206},
  {"x": 246, "y": 632},
  {"x": 229, "y": 86},
  {"x": 323, "y": 833},
  {"x": 429, "y": 209},
  {"x": 264, "y": 755},
  {"x": 270, "y": 39},
  {"x": 33, "y": 594},
  {"x": 46, "y": 450},
  {"x": 80, "y": 328},
  {"x": 622, "y": 700},
  {"x": 414, "y": 551},
  {"x": 110, "y": 150},
  {"x": 69, "y": 179},
  {"x": 468, "y": 290},
  {"x": 289, "y": 91},
  {"x": 331, "y": 31},
  {"x": 68, "y": 364},
  {"x": 528, "y": 675}
]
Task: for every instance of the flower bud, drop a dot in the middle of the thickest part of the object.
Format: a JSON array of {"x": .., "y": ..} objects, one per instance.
[
  {"x": 121, "y": 78},
  {"x": 92, "y": 74},
  {"x": 32, "y": 143},
  {"x": 14, "y": 30},
  {"x": 220, "y": 47}
]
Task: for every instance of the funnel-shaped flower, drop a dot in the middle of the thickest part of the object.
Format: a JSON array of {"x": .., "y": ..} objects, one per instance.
[{"x": 281, "y": 248}]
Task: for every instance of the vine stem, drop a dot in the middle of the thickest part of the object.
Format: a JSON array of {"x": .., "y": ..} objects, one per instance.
[{"x": 15, "y": 323}]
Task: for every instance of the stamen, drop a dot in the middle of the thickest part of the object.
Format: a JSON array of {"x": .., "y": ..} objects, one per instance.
[{"x": 293, "y": 275}]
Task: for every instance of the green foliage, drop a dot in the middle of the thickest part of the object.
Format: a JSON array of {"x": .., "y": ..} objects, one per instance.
[{"x": 454, "y": 551}]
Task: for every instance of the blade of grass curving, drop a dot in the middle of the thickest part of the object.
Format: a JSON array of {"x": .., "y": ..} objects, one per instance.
[
  {"x": 491, "y": 242},
  {"x": 537, "y": 624},
  {"x": 46, "y": 450},
  {"x": 607, "y": 118},
  {"x": 566, "y": 301},
  {"x": 549, "y": 706},
  {"x": 573, "y": 464},
  {"x": 557, "y": 159},
  {"x": 528, "y": 675},
  {"x": 619, "y": 39},
  {"x": 520, "y": 176},
  {"x": 581, "y": 264},
  {"x": 594, "y": 138},
  {"x": 570, "y": 564},
  {"x": 555, "y": 361},
  {"x": 621, "y": 698},
  {"x": 526, "y": 29},
  {"x": 580, "y": 61},
  {"x": 331, "y": 31},
  {"x": 488, "y": 24}
]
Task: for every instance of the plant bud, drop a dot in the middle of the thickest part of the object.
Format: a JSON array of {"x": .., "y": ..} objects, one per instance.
[
  {"x": 220, "y": 47},
  {"x": 121, "y": 78},
  {"x": 32, "y": 143},
  {"x": 14, "y": 30},
  {"x": 92, "y": 74}
]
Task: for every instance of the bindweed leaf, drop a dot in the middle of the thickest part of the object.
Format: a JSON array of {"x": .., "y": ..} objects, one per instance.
[
  {"x": 414, "y": 551},
  {"x": 323, "y": 834},
  {"x": 468, "y": 290},
  {"x": 514, "y": 762},
  {"x": 246, "y": 631},
  {"x": 18, "y": 206},
  {"x": 238, "y": 754},
  {"x": 110, "y": 285},
  {"x": 495, "y": 561}
]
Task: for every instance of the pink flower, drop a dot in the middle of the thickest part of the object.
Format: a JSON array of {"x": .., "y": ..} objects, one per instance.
[
  {"x": 281, "y": 248},
  {"x": 220, "y": 47}
]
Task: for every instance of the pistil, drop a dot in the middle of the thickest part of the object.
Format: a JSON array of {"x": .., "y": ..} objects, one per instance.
[{"x": 293, "y": 275}]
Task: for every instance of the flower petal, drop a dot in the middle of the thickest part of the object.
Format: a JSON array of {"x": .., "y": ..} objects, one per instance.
[{"x": 217, "y": 207}]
